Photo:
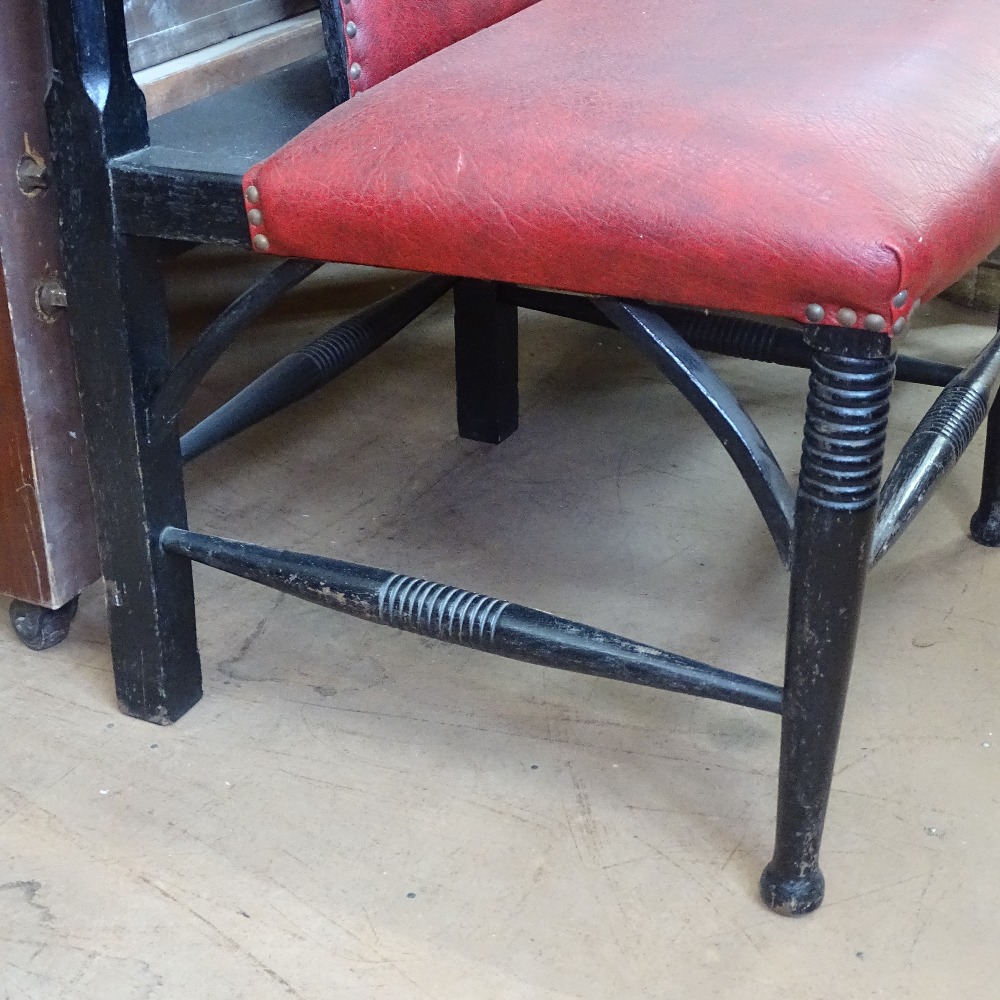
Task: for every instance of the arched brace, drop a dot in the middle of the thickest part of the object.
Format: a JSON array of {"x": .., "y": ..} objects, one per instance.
[
  {"x": 188, "y": 373},
  {"x": 719, "y": 408}
]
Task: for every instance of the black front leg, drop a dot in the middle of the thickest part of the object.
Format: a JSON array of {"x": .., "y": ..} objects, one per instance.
[
  {"x": 118, "y": 323},
  {"x": 846, "y": 415},
  {"x": 485, "y": 362}
]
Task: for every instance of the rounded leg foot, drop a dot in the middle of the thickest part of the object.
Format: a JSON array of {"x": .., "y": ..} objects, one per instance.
[
  {"x": 792, "y": 895},
  {"x": 41, "y": 628},
  {"x": 985, "y": 526}
]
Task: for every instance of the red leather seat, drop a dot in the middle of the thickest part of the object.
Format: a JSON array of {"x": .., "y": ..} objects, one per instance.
[{"x": 754, "y": 156}]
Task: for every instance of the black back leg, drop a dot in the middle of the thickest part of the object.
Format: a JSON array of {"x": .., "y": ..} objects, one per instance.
[
  {"x": 118, "y": 323},
  {"x": 842, "y": 452},
  {"x": 485, "y": 362},
  {"x": 985, "y": 526}
]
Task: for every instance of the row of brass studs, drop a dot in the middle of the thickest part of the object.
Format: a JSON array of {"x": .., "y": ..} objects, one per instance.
[
  {"x": 256, "y": 218},
  {"x": 351, "y": 29},
  {"x": 874, "y": 323}
]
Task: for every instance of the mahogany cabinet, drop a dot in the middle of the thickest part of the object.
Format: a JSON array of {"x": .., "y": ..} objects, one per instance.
[{"x": 47, "y": 548}]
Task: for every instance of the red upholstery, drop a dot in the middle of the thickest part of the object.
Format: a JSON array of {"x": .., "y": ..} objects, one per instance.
[
  {"x": 753, "y": 156},
  {"x": 389, "y": 35}
]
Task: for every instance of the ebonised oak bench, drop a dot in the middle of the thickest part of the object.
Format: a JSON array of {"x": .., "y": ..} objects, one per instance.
[{"x": 715, "y": 178}]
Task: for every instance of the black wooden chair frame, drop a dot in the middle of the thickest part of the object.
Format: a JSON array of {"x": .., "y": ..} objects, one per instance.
[{"x": 126, "y": 196}]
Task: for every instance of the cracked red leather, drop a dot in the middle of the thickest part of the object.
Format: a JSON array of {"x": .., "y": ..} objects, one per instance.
[
  {"x": 390, "y": 35},
  {"x": 723, "y": 155}
]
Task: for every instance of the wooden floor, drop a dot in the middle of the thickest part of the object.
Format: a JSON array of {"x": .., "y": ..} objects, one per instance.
[{"x": 364, "y": 814}]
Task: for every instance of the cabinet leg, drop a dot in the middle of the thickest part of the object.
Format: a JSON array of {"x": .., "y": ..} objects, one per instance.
[{"x": 42, "y": 628}]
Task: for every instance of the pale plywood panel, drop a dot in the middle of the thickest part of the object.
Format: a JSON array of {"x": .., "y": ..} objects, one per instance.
[
  {"x": 226, "y": 64},
  {"x": 160, "y": 30}
]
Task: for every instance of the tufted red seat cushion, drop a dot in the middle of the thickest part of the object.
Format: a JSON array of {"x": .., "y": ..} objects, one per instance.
[{"x": 753, "y": 156}]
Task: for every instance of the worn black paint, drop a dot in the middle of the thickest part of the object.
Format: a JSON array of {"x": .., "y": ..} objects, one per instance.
[
  {"x": 168, "y": 203},
  {"x": 843, "y": 444},
  {"x": 315, "y": 364},
  {"x": 457, "y": 616}
]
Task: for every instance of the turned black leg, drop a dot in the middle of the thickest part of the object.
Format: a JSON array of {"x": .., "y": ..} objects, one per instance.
[
  {"x": 842, "y": 452},
  {"x": 985, "y": 526},
  {"x": 485, "y": 362},
  {"x": 118, "y": 325}
]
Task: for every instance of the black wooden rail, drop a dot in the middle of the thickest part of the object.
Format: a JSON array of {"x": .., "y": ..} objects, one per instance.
[
  {"x": 314, "y": 364},
  {"x": 938, "y": 442},
  {"x": 669, "y": 335},
  {"x": 463, "y": 618},
  {"x": 715, "y": 333}
]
